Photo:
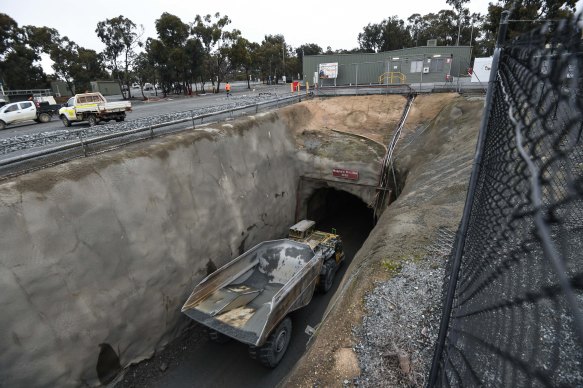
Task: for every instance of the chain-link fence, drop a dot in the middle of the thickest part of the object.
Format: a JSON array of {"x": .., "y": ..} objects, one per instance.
[{"x": 513, "y": 299}]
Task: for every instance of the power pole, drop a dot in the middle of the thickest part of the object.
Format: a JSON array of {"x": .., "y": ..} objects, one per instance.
[{"x": 283, "y": 56}]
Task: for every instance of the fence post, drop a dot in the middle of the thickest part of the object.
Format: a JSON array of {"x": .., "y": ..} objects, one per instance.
[
  {"x": 82, "y": 144},
  {"x": 458, "y": 248}
]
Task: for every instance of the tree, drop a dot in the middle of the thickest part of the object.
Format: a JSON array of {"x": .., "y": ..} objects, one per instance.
[
  {"x": 121, "y": 37},
  {"x": 270, "y": 56},
  {"x": 527, "y": 10},
  {"x": 174, "y": 52},
  {"x": 242, "y": 55},
  {"x": 64, "y": 56},
  {"x": 217, "y": 44},
  {"x": 20, "y": 69},
  {"x": 158, "y": 60},
  {"x": 309, "y": 49},
  {"x": 89, "y": 67},
  {"x": 20, "y": 52},
  {"x": 390, "y": 34},
  {"x": 9, "y": 34},
  {"x": 195, "y": 53},
  {"x": 143, "y": 71}
]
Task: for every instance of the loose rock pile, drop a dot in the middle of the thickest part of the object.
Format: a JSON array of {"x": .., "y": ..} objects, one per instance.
[{"x": 398, "y": 334}]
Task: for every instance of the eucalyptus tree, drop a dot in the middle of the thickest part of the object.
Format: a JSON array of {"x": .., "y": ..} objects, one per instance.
[
  {"x": 525, "y": 13},
  {"x": 270, "y": 56},
  {"x": 20, "y": 50},
  {"x": 217, "y": 43},
  {"x": 121, "y": 38},
  {"x": 242, "y": 56},
  {"x": 390, "y": 34}
]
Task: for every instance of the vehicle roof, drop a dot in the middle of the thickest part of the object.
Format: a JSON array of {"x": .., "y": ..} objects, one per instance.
[
  {"x": 14, "y": 103},
  {"x": 88, "y": 94},
  {"x": 303, "y": 225}
]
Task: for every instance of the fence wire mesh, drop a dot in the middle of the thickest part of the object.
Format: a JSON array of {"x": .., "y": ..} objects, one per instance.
[{"x": 517, "y": 300}]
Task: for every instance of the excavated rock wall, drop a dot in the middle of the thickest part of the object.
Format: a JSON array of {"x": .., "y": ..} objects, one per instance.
[{"x": 99, "y": 254}]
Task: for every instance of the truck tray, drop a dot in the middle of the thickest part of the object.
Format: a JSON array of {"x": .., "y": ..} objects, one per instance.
[{"x": 248, "y": 297}]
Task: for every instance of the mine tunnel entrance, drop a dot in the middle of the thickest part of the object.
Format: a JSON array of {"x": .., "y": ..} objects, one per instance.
[
  {"x": 211, "y": 364},
  {"x": 338, "y": 209}
]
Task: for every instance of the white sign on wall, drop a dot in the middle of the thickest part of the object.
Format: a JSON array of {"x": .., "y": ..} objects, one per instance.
[
  {"x": 481, "y": 70},
  {"x": 328, "y": 70}
]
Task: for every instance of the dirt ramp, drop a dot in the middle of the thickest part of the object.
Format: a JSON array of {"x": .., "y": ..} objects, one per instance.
[{"x": 369, "y": 116}]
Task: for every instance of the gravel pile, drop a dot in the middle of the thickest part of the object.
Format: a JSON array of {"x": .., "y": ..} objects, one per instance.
[
  {"x": 23, "y": 142},
  {"x": 398, "y": 334}
]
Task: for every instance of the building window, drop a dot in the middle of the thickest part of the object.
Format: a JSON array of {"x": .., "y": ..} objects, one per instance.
[
  {"x": 436, "y": 65},
  {"x": 416, "y": 66}
]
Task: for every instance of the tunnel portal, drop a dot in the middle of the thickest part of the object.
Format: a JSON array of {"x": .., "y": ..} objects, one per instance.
[{"x": 348, "y": 214}]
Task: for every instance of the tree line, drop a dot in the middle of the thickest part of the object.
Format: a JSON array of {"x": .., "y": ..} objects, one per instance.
[{"x": 206, "y": 52}]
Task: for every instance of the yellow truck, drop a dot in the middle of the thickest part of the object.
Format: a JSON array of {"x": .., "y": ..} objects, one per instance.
[
  {"x": 93, "y": 108},
  {"x": 328, "y": 244},
  {"x": 250, "y": 298}
]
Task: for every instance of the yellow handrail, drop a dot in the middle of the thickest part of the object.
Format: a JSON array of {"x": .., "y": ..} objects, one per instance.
[{"x": 393, "y": 77}]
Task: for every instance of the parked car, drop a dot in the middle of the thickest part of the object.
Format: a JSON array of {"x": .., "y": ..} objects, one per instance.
[{"x": 18, "y": 112}]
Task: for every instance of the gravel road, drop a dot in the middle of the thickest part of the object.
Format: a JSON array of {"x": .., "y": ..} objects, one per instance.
[{"x": 156, "y": 111}]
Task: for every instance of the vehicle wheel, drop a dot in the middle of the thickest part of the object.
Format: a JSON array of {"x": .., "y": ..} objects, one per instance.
[
  {"x": 2, "y": 125},
  {"x": 327, "y": 278},
  {"x": 118, "y": 119},
  {"x": 44, "y": 117},
  {"x": 217, "y": 337},
  {"x": 65, "y": 121},
  {"x": 92, "y": 120},
  {"x": 271, "y": 353}
]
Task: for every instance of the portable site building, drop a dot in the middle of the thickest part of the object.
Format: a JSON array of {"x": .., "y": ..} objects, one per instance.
[{"x": 423, "y": 64}]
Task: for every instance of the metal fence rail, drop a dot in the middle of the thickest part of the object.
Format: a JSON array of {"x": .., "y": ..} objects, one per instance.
[
  {"x": 513, "y": 300},
  {"x": 45, "y": 150}
]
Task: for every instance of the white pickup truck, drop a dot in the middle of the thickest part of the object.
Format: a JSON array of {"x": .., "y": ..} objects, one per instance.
[
  {"x": 23, "y": 111},
  {"x": 93, "y": 107}
]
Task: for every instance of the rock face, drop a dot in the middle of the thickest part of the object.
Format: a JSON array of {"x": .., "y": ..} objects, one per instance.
[
  {"x": 104, "y": 250},
  {"x": 387, "y": 308},
  {"x": 99, "y": 254}
]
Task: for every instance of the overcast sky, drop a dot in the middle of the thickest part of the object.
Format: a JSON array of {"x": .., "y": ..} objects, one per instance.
[
  {"x": 334, "y": 23},
  {"x": 326, "y": 23}
]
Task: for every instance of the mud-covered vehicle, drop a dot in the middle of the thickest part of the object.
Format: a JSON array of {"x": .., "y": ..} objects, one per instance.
[
  {"x": 250, "y": 298},
  {"x": 329, "y": 245}
]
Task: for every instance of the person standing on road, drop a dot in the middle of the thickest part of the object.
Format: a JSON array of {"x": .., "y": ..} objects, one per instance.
[{"x": 228, "y": 88}]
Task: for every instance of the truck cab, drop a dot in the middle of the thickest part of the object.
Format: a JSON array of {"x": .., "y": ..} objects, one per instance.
[{"x": 329, "y": 245}]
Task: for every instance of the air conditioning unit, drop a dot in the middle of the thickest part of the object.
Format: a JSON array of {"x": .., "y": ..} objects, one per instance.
[{"x": 425, "y": 70}]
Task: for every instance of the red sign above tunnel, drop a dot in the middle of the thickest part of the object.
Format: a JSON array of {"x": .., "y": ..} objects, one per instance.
[{"x": 345, "y": 174}]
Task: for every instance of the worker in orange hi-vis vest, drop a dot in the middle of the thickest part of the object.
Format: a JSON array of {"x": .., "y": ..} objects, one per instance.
[{"x": 228, "y": 88}]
